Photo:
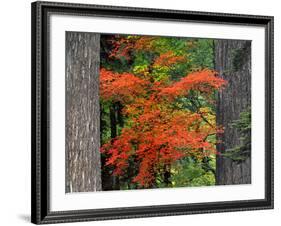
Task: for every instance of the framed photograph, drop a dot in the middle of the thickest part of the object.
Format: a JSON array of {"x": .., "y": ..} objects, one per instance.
[{"x": 149, "y": 112}]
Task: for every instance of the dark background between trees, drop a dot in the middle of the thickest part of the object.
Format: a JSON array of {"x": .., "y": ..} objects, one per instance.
[{"x": 89, "y": 122}]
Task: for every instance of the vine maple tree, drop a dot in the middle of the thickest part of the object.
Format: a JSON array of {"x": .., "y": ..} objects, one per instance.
[{"x": 159, "y": 129}]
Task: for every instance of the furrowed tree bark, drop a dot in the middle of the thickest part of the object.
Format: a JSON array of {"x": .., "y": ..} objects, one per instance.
[
  {"x": 233, "y": 63},
  {"x": 83, "y": 164}
]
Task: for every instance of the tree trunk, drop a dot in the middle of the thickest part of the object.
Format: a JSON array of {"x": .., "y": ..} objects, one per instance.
[
  {"x": 83, "y": 164},
  {"x": 113, "y": 127},
  {"x": 167, "y": 174},
  {"x": 120, "y": 120},
  {"x": 233, "y": 63},
  {"x": 113, "y": 121}
]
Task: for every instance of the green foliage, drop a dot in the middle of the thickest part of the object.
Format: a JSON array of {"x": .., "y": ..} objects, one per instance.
[
  {"x": 243, "y": 126},
  {"x": 105, "y": 121},
  {"x": 202, "y": 54},
  {"x": 191, "y": 173},
  {"x": 141, "y": 62},
  {"x": 166, "y": 44}
]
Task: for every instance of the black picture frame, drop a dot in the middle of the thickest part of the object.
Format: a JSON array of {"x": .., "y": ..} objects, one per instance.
[{"x": 40, "y": 211}]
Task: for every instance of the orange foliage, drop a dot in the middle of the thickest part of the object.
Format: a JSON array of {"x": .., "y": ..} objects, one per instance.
[
  {"x": 159, "y": 133},
  {"x": 168, "y": 58},
  {"x": 122, "y": 46},
  {"x": 144, "y": 43},
  {"x": 205, "y": 81},
  {"x": 120, "y": 87}
]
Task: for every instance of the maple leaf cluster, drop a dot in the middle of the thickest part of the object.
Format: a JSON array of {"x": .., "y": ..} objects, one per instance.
[
  {"x": 168, "y": 58},
  {"x": 122, "y": 47},
  {"x": 120, "y": 87},
  {"x": 204, "y": 81}
]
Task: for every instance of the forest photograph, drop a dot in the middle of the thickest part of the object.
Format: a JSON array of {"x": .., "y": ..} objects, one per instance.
[{"x": 146, "y": 112}]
